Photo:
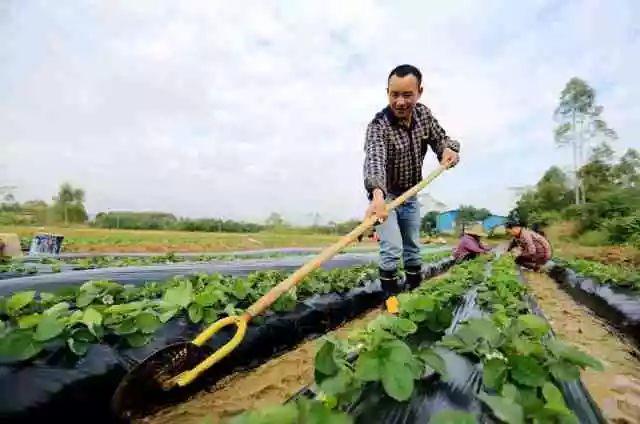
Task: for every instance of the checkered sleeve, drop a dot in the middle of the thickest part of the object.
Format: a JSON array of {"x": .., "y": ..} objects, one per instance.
[
  {"x": 375, "y": 161},
  {"x": 438, "y": 139}
]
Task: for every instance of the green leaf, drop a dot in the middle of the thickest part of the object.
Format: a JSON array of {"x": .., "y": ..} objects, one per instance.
[
  {"x": 48, "y": 328},
  {"x": 57, "y": 310},
  {"x": 530, "y": 400},
  {"x": 536, "y": 325},
  {"x": 195, "y": 313},
  {"x": 166, "y": 312},
  {"x": 240, "y": 289},
  {"x": 29, "y": 321},
  {"x": 281, "y": 414},
  {"x": 453, "y": 417},
  {"x": 434, "y": 361},
  {"x": 510, "y": 391},
  {"x": 147, "y": 322},
  {"x": 553, "y": 396},
  {"x": 564, "y": 371},
  {"x": 181, "y": 295},
  {"x": 138, "y": 339},
  {"x": 527, "y": 371},
  {"x": 128, "y": 326},
  {"x": 503, "y": 408},
  {"x": 527, "y": 347},
  {"x": 336, "y": 384},
  {"x": 85, "y": 298},
  {"x": 397, "y": 381},
  {"x": 573, "y": 355},
  {"x": 313, "y": 412},
  {"x": 397, "y": 351},
  {"x": 79, "y": 347},
  {"x": 401, "y": 327},
  {"x": 210, "y": 315},
  {"x": 19, "y": 346},
  {"x": 47, "y": 297},
  {"x": 92, "y": 319},
  {"x": 453, "y": 342},
  {"x": 494, "y": 373},
  {"x": 324, "y": 359},
  {"x": 368, "y": 367},
  {"x": 18, "y": 301}
]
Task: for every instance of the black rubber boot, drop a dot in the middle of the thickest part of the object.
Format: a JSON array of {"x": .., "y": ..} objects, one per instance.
[
  {"x": 389, "y": 282},
  {"x": 414, "y": 276}
]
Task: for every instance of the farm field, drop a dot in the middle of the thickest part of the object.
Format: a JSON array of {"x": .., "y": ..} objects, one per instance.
[
  {"x": 85, "y": 239},
  {"x": 466, "y": 312}
]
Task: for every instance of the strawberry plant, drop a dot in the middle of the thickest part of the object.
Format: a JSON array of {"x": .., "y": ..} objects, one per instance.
[
  {"x": 104, "y": 311},
  {"x": 521, "y": 362},
  {"x": 381, "y": 351},
  {"x": 615, "y": 275}
]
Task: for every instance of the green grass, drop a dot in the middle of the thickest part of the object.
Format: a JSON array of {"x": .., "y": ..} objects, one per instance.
[{"x": 85, "y": 239}]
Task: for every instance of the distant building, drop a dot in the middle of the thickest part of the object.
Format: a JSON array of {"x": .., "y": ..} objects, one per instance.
[
  {"x": 493, "y": 222},
  {"x": 446, "y": 221}
]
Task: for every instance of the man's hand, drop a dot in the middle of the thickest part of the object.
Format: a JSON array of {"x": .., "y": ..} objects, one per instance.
[
  {"x": 449, "y": 158},
  {"x": 377, "y": 206}
]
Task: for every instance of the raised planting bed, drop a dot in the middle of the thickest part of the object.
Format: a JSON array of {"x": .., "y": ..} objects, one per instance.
[
  {"x": 67, "y": 348},
  {"x": 469, "y": 349},
  {"x": 611, "y": 291},
  {"x": 48, "y": 265}
]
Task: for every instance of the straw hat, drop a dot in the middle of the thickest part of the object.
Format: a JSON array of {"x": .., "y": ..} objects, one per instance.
[{"x": 476, "y": 230}]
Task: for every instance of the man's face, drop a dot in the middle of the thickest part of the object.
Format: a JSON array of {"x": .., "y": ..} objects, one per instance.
[
  {"x": 514, "y": 231},
  {"x": 404, "y": 93}
]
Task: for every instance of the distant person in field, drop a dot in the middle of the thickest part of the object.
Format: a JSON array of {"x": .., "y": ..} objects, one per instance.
[
  {"x": 470, "y": 245},
  {"x": 397, "y": 140},
  {"x": 535, "y": 250}
]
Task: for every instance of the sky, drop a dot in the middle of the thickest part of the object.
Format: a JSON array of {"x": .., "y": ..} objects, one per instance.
[{"x": 239, "y": 109}]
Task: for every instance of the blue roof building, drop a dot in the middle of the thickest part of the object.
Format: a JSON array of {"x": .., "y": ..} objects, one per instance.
[
  {"x": 493, "y": 221},
  {"x": 446, "y": 221}
]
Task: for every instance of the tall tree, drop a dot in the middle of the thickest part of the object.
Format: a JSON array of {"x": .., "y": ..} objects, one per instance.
[
  {"x": 275, "y": 220},
  {"x": 471, "y": 213},
  {"x": 579, "y": 123},
  {"x": 70, "y": 199},
  {"x": 627, "y": 172}
]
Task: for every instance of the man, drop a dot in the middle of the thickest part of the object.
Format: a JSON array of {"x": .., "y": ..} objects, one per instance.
[
  {"x": 397, "y": 141},
  {"x": 470, "y": 245},
  {"x": 535, "y": 249}
]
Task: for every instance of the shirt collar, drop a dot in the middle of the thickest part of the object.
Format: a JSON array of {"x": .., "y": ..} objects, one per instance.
[{"x": 393, "y": 119}]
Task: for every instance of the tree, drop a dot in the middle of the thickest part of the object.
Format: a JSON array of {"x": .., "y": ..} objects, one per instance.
[
  {"x": 627, "y": 171},
  {"x": 275, "y": 220},
  {"x": 429, "y": 223},
  {"x": 543, "y": 203},
  {"x": 471, "y": 213},
  {"x": 69, "y": 203},
  {"x": 598, "y": 175},
  {"x": 552, "y": 192},
  {"x": 579, "y": 123}
]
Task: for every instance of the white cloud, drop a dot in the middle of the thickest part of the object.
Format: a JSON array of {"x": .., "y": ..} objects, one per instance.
[{"x": 239, "y": 109}]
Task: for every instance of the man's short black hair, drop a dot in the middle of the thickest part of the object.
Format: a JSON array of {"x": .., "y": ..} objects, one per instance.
[
  {"x": 404, "y": 70},
  {"x": 511, "y": 224}
]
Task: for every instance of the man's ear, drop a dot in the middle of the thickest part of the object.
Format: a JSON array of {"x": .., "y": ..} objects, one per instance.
[{"x": 420, "y": 90}]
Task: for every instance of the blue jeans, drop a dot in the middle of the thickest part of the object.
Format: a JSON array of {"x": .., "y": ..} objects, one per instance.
[{"x": 400, "y": 236}]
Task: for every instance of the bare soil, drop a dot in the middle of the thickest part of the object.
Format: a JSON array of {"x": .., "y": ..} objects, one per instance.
[
  {"x": 272, "y": 383},
  {"x": 617, "y": 389}
]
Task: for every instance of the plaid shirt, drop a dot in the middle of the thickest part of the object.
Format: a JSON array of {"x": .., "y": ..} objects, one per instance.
[
  {"x": 532, "y": 244},
  {"x": 394, "y": 154}
]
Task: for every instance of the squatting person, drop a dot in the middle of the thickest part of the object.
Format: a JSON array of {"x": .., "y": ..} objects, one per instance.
[{"x": 535, "y": 250}]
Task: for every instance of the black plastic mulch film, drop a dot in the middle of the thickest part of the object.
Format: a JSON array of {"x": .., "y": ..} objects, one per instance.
[
  {"x": 619, "y": 306},
  {"x": 432, "y": 395},
  {"x": 79, "y": 389}
]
